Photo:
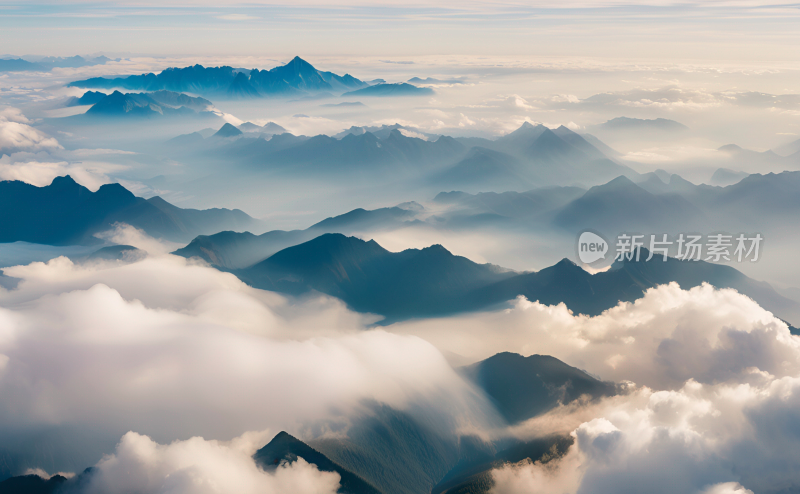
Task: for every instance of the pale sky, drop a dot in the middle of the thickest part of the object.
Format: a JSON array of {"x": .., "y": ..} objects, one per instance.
[{"x": 655, "y": 30}]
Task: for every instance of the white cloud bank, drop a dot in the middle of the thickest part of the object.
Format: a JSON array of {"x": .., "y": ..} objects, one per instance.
[
  {"x": 713, "y": 401},
  {"x": 172, "y": 349},
  {"x": 198, "y": 466},
  {"x": 16, "y": 135}
]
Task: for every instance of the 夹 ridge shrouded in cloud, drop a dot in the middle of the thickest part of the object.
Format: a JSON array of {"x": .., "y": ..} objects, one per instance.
[
  {"x": 169, "y": 348},
  {"x": 197, "y": 466},
  {"x": 172, "y": 349},
  {"x": 715, "y": 381}
]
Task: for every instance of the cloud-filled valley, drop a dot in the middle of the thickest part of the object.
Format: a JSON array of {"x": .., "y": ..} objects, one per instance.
[{"x": 360, "y": 270}]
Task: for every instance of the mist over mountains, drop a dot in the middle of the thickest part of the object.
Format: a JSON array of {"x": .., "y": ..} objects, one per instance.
[{"x": 282, "y": 279}]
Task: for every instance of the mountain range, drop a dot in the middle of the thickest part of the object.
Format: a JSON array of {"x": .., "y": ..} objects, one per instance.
[
  {"x": 233, "y": 250},
  {"x": 654, "y": 203},
  {"x": 155, "y": 104},
  {"x": 531, "y": 156},
  {"x": 432, "y": 281},
  {"x": 389, "y": 451},
  {"x": 44, "y": 64},
  {"x": 297, "y": 77},
  {"x": 628, "y": 124},
  {"x": 394, "y": 155},
  {"x": 88, "y": 98},
  {"x": 386, "y": 450},
  {"x": 397, "y": 89},
  {"x": 66, "y": 213}
]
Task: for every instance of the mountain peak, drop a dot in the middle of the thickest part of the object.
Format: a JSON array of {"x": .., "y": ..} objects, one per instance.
[
  {"x": 228, "y": 130},
  {"x": 65, "y": 181}
]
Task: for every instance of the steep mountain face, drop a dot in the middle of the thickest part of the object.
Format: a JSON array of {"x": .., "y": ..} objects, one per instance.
[
  {"x": 285, "y": 447},
  {"x": 296, "y": 77},
  {"x": 66, "y": 213},
  {"x": 158, "y": 103},
  {"x": 523, "y": 387},
  {"x": 393, "y": 451}
]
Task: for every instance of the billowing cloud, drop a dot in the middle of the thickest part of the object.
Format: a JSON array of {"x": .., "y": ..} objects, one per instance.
[
  {"x": 197, "y": 466},
  {"x": 712, "y": 397},
  {"x": 16, "y": 136},
  {"x": 662, "y": 340},
  {"x": 40, "y": 169},
  {"x": 170, "y": 348}
]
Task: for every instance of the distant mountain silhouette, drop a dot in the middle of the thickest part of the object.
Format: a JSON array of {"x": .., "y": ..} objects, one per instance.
[
  {"x": 431, "y": 80},
  {"x": 228, "y": 130},
  {"x": 524, "y": 205},
  {"x": 295, "y": 78},
  {"x": 231, "y": 250},
  {"x": 397, "y": 89},
  {"x": 126, "y": 253},
  {"x": 622, "y": 205},
  {"x": 640, "y": 124},
  {"x": 383, "y": 131},
  {"x": 44, "y": 64},
  {"x": 788, "y": 149},
  {"x": 285, "y": 447},
  {"x": 724, "y": 177},
  {"x": 396, "y": 154},
  {"x": 19, "y": 65},
  {"x": 66, "y": 213},
  {"x": 526, "y": 158},
  {"x": 484, "y": 168},
  {"x": 268, "y": 128},
  {"x": 538, "y": 156}
]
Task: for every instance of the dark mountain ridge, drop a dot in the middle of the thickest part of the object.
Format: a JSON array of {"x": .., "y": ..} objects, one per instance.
[
  {"x": 66, "y": 213},
  {"x": 432, "y": 281},
  {"x": 232, "y": 250}
]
